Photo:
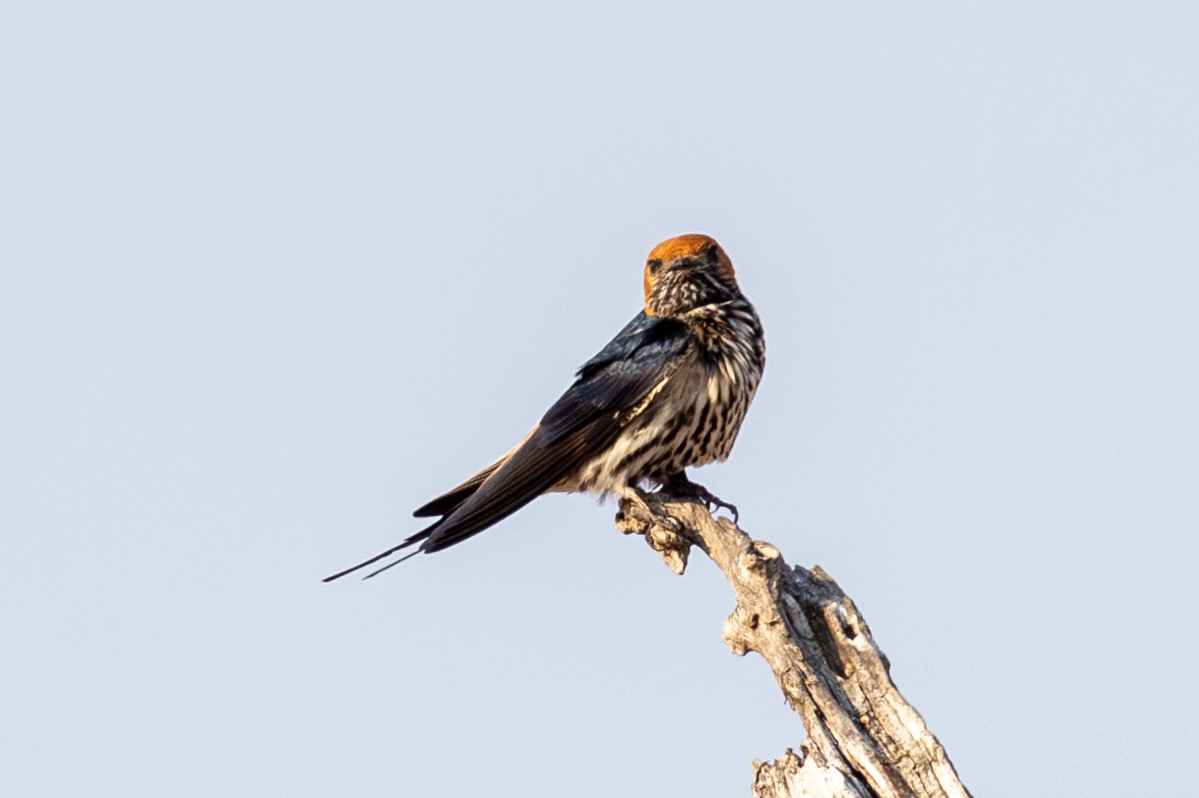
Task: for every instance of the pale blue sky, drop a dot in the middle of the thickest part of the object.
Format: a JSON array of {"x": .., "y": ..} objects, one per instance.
[{"x": 274, "y": 274}]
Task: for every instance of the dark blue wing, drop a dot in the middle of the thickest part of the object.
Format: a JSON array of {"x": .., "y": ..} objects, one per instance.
[
  {"x": 585, "y": 420},
  {"x": 580, "y": 424},
  {"x": 620, "y": 376}
]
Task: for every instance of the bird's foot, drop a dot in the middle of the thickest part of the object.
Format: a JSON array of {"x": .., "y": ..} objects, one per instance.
[{"x": 682, "y": 487}]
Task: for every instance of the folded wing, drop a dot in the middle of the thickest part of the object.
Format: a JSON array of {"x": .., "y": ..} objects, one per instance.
[{"x": 581, "y": 424}]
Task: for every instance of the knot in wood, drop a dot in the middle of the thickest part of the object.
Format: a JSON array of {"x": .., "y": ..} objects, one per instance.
[
  {"x": 766, "y": 550},
  {"x": 739, "y": 631},
  {"x": 668, "y": 540},
  {"x": 763, "y": 559},
  {"x": 630, "y": 521}
]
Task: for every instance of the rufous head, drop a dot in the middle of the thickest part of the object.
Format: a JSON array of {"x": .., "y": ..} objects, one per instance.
[{"x": 685, "y": 272}]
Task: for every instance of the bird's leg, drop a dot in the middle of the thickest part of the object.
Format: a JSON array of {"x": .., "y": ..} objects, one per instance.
[{"x": 677, "y": 484}]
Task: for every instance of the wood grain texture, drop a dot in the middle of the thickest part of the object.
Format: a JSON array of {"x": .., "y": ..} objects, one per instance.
[{"x": 864, "y": 739}]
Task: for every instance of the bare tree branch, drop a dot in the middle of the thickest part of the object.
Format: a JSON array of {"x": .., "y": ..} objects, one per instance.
[{"x": 864, "y": 739}]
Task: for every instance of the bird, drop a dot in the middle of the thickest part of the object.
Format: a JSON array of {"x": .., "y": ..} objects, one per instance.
[{"x": 669, "y": 392}]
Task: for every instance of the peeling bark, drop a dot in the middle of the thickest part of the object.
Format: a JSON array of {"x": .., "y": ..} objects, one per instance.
[{"x": 864, "y": 739}]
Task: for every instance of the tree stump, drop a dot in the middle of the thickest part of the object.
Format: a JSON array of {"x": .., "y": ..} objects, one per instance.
[{"x": 864, "y": 740}]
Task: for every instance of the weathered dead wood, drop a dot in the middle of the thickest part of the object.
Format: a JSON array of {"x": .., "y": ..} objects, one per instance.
[{"x": 864, "y": 739}]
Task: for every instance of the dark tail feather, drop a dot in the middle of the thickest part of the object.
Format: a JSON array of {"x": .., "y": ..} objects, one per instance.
[
  {"x": 378, "y": 571},
  {"x": 409, "y": 541}
]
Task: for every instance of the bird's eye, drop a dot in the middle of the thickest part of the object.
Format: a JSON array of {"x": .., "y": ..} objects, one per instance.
[
  {"x": 713, "y": 253},
  {"x": 654, "y": 264}
]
